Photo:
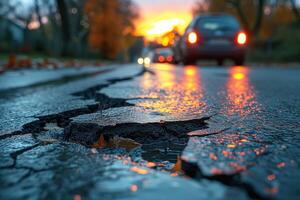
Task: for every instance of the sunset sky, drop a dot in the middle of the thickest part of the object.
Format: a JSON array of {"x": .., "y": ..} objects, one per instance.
[{"x": 159, "y": 16}]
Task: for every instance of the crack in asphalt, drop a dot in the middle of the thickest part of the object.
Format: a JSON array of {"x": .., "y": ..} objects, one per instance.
[
  {"x": 63, "y": 119},
  {"x": 14, "y": 155},
  {"x": 234, "y": 180},
  {"x": 30, "y": 172},
  {"x": 150, "y": 135}
]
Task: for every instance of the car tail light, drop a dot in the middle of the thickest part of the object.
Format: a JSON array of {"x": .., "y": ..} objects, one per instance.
[
  {"x": 161, "y": 58},
  {"x": 241, "y": 38},
  {"x": 192, "y": 37},
  {"x": 169, "y": 58}
]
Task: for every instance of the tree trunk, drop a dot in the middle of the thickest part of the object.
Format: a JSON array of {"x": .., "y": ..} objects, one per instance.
[
  {"x": 259, "y": 17},
  {"x": 38, "y": 13},
  {"x": 242, "y": 16},
  {"x": 63, "y": 11}
]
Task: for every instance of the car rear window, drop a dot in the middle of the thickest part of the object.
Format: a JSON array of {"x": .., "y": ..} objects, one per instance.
[
  {"x": 218, "y": 23},
  {"x": 164, "y": 52}
]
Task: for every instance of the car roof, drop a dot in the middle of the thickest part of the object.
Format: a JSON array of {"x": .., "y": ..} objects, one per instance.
[
  {"x": 212, "y": 15},
  {"x": 163, "y": 50}
]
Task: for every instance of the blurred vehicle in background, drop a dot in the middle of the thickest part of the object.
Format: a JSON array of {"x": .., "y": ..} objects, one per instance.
[
  {"x": 160, "y": 55},
  {"x": 212, "y": 36},
  {"x": 144, "y": 60}
]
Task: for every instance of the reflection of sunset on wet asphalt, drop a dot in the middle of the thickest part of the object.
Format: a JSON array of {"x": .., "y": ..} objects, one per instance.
[
  {"x": 154, "y": 131},
  {"x": 149, "y": 99},
  {"x": 181, "y": 92},
  {"x": 178, "y": 95},
  {"x": 233, "y": 97}
]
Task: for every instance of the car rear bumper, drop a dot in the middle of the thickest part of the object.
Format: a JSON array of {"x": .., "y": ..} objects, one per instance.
[{"x": 215, "y": 52}]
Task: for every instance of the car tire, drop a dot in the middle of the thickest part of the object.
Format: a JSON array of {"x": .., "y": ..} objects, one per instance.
[{"x": 239, "y": 61}]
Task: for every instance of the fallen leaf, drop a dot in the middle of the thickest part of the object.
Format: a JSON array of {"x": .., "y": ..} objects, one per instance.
[
  {"x": 213, "y": 156},
  {"x": 100, "y": 143},
  {"x": 139, "y": 170},
  {"x": 178, "y": 166},
  {"x": 151, "y": 164},
  {"x": 174, "y": 174}
]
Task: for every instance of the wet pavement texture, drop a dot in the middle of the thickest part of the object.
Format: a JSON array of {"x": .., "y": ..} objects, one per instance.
[{"x": 116, "y": 133}]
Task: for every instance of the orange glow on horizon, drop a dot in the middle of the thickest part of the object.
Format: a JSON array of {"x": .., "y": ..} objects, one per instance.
[{"x": 153, "y": 25}]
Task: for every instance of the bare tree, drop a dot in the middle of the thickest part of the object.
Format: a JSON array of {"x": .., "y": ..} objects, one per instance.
[
  {"x": 255, "y": 28},
  {"x": 237, "y": 5},
  {"x": 39, "y": 17},
  {"x": 65, "y": 25},
  {"x": 259, "y": 16}
]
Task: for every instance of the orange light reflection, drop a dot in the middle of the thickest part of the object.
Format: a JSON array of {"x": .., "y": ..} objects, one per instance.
[
  {"x": 134, "y": 188},
  {"x": 240, "y": 94},
  {"x": 139, "y": 170},
  {"x": 179, "y": 94}
]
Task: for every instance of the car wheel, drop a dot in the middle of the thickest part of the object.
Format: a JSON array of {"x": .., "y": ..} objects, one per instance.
[
  {"x": 239, "y": 61},
  {"x": 220, "y": 62}
]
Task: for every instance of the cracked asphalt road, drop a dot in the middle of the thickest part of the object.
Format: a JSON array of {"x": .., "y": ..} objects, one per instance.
[{"x": 235, "y": 130}]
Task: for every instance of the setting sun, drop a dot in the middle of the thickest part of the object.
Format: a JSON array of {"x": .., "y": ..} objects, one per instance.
[
  {"x": 163, "y": 26},
  {"x": 158, "y": 20},
  {"x": 153, "y": 27}
]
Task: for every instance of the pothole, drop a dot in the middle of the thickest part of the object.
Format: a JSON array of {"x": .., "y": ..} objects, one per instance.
[{"x": 162, "y": 141}]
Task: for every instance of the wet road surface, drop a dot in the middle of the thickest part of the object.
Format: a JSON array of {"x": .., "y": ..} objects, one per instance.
[{"x": 235, "y": 129}]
